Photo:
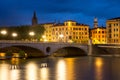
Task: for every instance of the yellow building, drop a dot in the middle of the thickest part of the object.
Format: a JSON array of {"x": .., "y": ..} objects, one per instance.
[
  {"x": 47, "y": 36},
  {"x": 98, "y": 34},
  {"x": 70, "y": 31},
  {"x": 113, "y": 30}
]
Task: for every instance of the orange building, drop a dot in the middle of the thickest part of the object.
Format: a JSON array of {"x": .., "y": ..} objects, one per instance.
[
  {"x": 113, "y": 30},
  {"x": 70, "y": 31},
  {"x": 98, "y": 34}
]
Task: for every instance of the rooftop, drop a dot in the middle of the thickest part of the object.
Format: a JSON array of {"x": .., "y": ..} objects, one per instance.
[
  {"x": 114, "y": 18},
  {"x": 99, "y": 28}
]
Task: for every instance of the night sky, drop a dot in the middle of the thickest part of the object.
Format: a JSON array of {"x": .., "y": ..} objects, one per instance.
[{"x": 20, "y": 12}]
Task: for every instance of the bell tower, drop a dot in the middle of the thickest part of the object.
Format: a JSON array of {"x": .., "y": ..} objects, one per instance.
[
  {"x": 95, "y": 22},
  {"x": 34, "y": 19}
]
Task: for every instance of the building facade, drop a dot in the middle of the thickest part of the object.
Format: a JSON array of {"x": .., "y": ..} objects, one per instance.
[
  {"x": 47, "y": 36},
  {"x": 113, "y": 30},
  {"x": 98, "y": 34},
  {"x": 70, "y": 31}
]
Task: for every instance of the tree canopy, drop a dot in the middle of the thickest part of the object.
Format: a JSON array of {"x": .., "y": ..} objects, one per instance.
[{"x": 22, "y": 32}]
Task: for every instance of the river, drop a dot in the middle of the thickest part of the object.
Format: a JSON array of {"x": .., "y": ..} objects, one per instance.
[{"x": 59, "y": 68}]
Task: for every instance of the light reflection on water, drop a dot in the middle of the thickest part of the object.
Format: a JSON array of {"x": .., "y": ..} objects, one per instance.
[
  {"x": 80, "y": 68},
  {"x": 4, "y": 71},
  {"x": 31, "y": 71},
  {"x": 98, "y": 68},
  {"x": 61, "y": 70}
]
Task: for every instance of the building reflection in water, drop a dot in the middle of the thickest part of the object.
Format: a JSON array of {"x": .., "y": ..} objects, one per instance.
[
  {"x": 15, "y": 63},
  {"x": 31, "y": 71},
  {"x": 98, "y": 69},
  {"x": 4, "y": 71},
  {"x": 70, "y": 69},
  {"x": 61, "y": 68}
]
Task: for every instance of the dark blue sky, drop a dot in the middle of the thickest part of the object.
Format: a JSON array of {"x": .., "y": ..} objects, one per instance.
[{"x": 20, "y": 12}]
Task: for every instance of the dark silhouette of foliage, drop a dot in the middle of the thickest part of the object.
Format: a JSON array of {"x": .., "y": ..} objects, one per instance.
[{"x": 22, "y": 31}]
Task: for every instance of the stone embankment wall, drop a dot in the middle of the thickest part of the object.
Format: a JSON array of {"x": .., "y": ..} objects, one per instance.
[{"x": 104, "y": 50}]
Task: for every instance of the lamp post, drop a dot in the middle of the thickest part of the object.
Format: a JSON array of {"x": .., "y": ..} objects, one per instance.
[
  {"x": 31, "y": 34},
  {"x": 3, "y": 32},
  {"x": 14, "y": 35},
  {"x": 44, "y": 38},
  {"x": 61, "y": 36}
]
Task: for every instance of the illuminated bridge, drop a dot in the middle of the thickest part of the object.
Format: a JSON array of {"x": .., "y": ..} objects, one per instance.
[{"x": 45, "y": 48}]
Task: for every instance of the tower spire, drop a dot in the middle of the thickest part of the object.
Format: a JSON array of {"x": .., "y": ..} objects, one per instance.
[
  {"x": 95, "y": 22},
  {"x": 34, "y": 19}
]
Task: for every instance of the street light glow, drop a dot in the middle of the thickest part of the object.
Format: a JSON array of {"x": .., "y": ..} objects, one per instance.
[
  {"x": 14, "y": 34},
  {"x": 43, "y": 36},
  {"x": 61, "y": 36},
  {"x": 4, "y": 32},
  {"x": 31, "y": 33}
]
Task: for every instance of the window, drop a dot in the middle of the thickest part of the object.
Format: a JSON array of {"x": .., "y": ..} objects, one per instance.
[
  {"x": 109, "y": 31},
  {"x": 76, "y": 37},
  {"x": 109, "y": 35},
  {"x": 109, "y": 25}
]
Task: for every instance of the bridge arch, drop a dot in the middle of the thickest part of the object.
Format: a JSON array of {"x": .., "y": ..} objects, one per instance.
[
  {"x": 30, "y": 51},
  {"x": 69, "y": 51}
]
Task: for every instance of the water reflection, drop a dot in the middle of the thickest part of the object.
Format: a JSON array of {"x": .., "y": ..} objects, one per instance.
[
  {"x": 31, "y": 71},
  {"x": 15, "y": 63},
  {"x": 70, "y": 62},
  {"x": 61, "y": 68},
  {"x": 4, "y": 71},
  {"x": 98, "y": 69},
  {"x": 44, "y": 73},
  {"x": 14, "y": 74},
  {"x": 81, "y": 68}
]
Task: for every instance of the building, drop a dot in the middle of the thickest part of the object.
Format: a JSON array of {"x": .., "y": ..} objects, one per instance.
[
  {"x": 70, "y": 31},
  {"x": 113, "y": 30},
  {"x": 34, "y": 19},
  {"x": 47, "y": 36},
  {"x": 98, "y": 34}
]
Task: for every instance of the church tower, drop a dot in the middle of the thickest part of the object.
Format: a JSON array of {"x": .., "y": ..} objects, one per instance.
[
  {"x": 34, "y": 19},
  {"x": 95, "y": 22}
]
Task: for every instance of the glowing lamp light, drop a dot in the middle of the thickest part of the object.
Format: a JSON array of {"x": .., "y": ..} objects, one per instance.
[
  {"x": 4, "y": 32},
  {"x": 43, "y": 36},
  {"x": 14, "y": 34},
  {"x": 31, "y": 33},
  {"x": 61, "y": 36}
]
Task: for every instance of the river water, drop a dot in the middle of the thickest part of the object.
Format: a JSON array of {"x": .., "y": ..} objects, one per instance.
[{"x": 77, "y": 68}]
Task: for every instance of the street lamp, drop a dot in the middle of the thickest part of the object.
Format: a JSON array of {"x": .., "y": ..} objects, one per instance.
[
  {"x": 32, "y": 34},
  {"x": 44, "y": 38},
  {"x": 61, "y": 36},
  {"x": 4, "y": 32},
  {"x": 14, "y": 34}
]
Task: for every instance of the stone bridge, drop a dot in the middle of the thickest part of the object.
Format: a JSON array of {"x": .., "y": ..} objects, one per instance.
[{"x": 46, "y": 48}]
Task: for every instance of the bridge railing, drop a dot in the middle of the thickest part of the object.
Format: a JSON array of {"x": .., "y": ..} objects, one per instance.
[{"x": 20, "y": 41}]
